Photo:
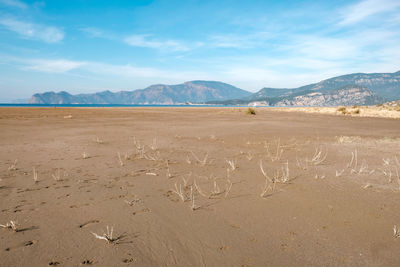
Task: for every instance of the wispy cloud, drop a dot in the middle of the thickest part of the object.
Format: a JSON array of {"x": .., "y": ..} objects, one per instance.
[
  {"x": 230, "y": 41},
  {"x": 95, "y": 32},
  {"x": 240, "y": 41},
  {"x": 146, "y": 41},
  {"x": 139, "y": 72},
  {"x": 367, "y": 8},
  {"x": 323, "y": 47},
  {"x": 29, "y": 30},
  {"x": 14, "y": 3},
  {"x": 52, "y": 66}
]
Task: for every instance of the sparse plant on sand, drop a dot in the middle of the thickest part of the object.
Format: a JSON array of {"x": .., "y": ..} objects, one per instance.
[
  {"x": 85, "y": 155},
  {"x": 353, "y": 165},
  {"x": 193, "y": 206},
  {"x": 12, "y": 225},
  {"x": 186, "y": 178},
  {"x": 153, "y": 146},
  {"x": 364, "y": 168},
  {"x": 168, "y": 173},
  {"x": 278, "y": 153},
  {"x": 199, "y": 190},
  {"x": 57, "y": 175},
  {"x": 154, "y": 157},
  {"x": 284, "y": 177},
  {"x": 368, "y": 185},
  {"x": 386, "y": 161},
  {"x": 108, "y": 236},
  {"x": 228, "y": 188},
  {"x": 249, "y": 156},
  {"x": 251, "y": 111},
  {"x": 216, "y": 190},
  {"x": 301, "y": 164},
  {"x": 127, "y": 156},
  {"x": 396, "y": 232},
  {"x": 137, "y": 144},
  {"x": 269, "y": 184},
  {"x": 318, "y": 157},
  {"x": 120, "y": 160},
  {"x": 202, "y": 162},
  {"x": 179, "y": 192},
  {"x": 13, "y": 166},
  {"x": 98, "y": 140},
  {"x": 398, "y": 177},
  {"x": 267, "y": 187},
  {"x": 339, "y": 173},
  {"x": 353, "y": 162},
  {"x": 35, "y": 175},
  {"x": 280, "y": 175},
  {"x": 232, "y": 164}
]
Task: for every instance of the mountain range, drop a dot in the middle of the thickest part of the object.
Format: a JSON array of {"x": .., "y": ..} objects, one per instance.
[
  {"x": 351, "y": 89},
  {"x": 193, "y": 92}
]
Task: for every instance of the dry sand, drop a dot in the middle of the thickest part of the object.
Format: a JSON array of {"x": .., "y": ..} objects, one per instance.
[
  {"x": 316, "y": 218},
  {"x": 379, "y": 111}
]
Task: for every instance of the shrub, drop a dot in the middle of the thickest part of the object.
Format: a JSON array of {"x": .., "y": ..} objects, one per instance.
[
  {"x": 343, "y": 110},
  {"x": 251, "y": 111}
]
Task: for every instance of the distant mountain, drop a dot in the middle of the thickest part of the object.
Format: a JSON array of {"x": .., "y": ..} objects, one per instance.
[
  {"x": 194, "y": 91},
  {"x": 351, "y": 89}
]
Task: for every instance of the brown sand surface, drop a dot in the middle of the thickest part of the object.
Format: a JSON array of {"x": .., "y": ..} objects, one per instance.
[{"x": 329, "y": 210}]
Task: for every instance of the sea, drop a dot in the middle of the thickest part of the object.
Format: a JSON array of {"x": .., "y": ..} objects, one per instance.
[{"x": 107, "y": 105}]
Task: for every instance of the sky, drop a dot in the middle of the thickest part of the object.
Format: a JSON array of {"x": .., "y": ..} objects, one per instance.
[{"x": 87, "y": 46}]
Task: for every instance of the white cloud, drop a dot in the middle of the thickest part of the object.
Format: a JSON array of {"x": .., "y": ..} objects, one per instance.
[
  {"x": 145, "y": 41},
  {"x": 96, "y": 33},
  {"x": 230, "y": 41},
  {"x": 366, "y": 8},
  {"x": 240, "y": 41},
  {"x": 14, "y": 3},
  {"x": 53, "y": 66},
  {"x": 324, "y": 47},
  {"x": 48, "y": 34},
  {"x": 156, "y": 75}
]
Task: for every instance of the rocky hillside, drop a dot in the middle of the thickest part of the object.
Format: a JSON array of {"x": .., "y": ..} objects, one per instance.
[
  {"x": 194, "y": 91},
  {"x": 351, "y": 89},
  {"x": 349, "y": 95}
]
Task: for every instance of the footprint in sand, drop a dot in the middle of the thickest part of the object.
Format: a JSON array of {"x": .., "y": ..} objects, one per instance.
[
  {"x": 128, "y": 260},
  {"x": 87, "y": 262},
  {"x": 25, "y": 244},
  {"x": 223, "y": 248},
  {"x": 171, "y": 196},
  {"x": 141, "y": 211}
]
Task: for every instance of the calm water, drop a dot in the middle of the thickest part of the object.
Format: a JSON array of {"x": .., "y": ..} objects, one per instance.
[{"x": 107, "y": 105}]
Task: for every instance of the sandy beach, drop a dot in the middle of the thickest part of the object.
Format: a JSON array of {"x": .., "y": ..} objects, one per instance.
[{"x": 197, "y": 187}]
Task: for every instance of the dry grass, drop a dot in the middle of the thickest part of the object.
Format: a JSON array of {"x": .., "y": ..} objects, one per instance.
[
  {"x": 13, "y": 167},
  {"x": 108, "y": 236},
  {"x": 12, "y": 225},
  {"x": 35, "y": 175}
]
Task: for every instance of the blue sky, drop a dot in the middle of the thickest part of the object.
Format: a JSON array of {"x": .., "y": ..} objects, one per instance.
[{"x": 85, "y": 46}]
